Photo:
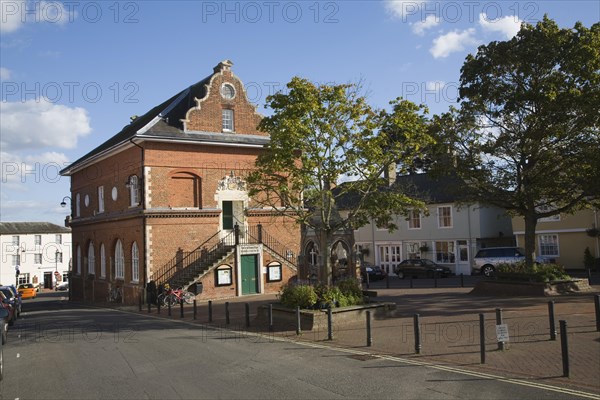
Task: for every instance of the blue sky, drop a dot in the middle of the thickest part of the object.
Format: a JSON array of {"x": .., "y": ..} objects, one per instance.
[{"x": 73, "y": 72}]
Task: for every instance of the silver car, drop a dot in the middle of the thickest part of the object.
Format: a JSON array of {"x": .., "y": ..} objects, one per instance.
[{"x": 487, "y": 259}]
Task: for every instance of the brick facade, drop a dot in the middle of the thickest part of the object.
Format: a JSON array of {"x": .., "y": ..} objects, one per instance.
[{"x": 181, "y": 158}]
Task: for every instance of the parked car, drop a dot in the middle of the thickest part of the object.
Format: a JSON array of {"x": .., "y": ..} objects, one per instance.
[
  {"x": 62, "y": 286},
  {"x": 9, "y": 308},
  {"x": 27, "y": 291},
  {"x": 486, "y": 260},
  {"x": 375, "y": 272},
  {"x": 3, "y": 333},
  {"x": 12, "y": 294},
  {"x": 421, "y": 267}
]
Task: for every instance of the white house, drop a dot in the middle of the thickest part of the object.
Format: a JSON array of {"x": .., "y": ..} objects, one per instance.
[
  {"x": 34, "y": 252},
  {"x": 450, "y": 234}
]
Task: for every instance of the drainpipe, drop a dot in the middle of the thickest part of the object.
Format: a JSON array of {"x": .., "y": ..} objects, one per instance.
[
  {"x": 597, "y": 238},
  {"x": 145, "y": 239}
]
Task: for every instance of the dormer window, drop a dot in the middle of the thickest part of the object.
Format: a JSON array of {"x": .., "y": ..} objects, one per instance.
[
  {"x": 227, "y": 91},
  {"x": 227, "y": 120}
]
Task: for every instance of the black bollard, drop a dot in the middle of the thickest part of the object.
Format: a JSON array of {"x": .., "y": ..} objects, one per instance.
[
  {"x": 564, "y": 346},
  {"x": 149, "y": 307},
  {"x": 226, "y": 313},
  {"x": 597, "y": 304},
  {"x": 589, "y": 273},
  {"x": 551, "y": 320},
  {"x": 417, "y": 327},
  {"x": 158, "y": 307},
  {"x": 369, "y": 337},
  {"x": 387, "y": 281},
  {"x": 180, "y": 308},
  {"x": 482, "y": 338},
  {"x": 501, "y": 345},
  {"x": 298, "y": 321},
  {"x": 247, "y": 309},
  {"x": 140, "y": 303},
  {"x": 435, "y": 284},
  {"x": 195, "y": 309},
  {"x": 329, "y": 324},
  {"x": 271, "y": 317},
  {"x": 462, "y": 280},
  {"x": 210, "y": 311},
  {"x": 411, "y": 282}
]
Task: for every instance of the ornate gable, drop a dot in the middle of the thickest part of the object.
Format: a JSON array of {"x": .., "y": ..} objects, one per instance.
[{"x": 225, "y": 107}]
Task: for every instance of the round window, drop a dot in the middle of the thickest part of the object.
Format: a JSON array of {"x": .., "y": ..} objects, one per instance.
[
  {"x": 86, "y": 200},
  {"x": 227, "y": 91},
  {"x": 114, "y": 193}
]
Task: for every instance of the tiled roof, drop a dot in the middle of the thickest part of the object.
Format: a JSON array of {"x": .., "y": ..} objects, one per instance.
[{"x": 23, "y": 228}]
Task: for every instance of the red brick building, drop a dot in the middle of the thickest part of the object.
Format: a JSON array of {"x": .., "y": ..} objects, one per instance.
[{"x": 165, "y": 200}]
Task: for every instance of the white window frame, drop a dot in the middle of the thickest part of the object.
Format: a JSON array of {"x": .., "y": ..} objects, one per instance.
[
  {"x": 58, "y": 238},
  {"x": 78, "y": 205},
  {"x": 543, "y": 245},
  {"x": 414, "y": 216},
  {"x": 228, "y": 120},
  {"x": 37, "y": 258},
  {"x": 78, "y": 261},
  {"x": 100, "y": 199},
  {"x": 91, "y": 259},
  {"x": 134, "y": 193},
  {"x": 16, "y": 260},
  {"x": 38, "y": 240},
  {"x": 135, "y": 263},
  {"x": 102, "y": 261},
  {"x": 24, "y": 278},
  {"x": 442, "y": 217},
  {"x": 15, "y": 240},
  {"x": 119, "y": 260},
  {"x": 438, "y": 251}
]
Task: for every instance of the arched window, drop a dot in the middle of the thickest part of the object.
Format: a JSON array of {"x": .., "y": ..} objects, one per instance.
[
  {"x": 119, "y": 261},
  {"x": 91, "y": 259},
  {"x": 135, "y": 263},
  {"x": 78, "y": 261},
  {"x": 134, "y": 190},
  {"x": 185, "y": 190},
  {"x": 102, "y": 261}
]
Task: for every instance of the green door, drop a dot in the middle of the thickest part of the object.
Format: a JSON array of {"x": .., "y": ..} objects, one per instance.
[
  {"x": 249, "y": 275},
  {"x": 227, "y": 215}
]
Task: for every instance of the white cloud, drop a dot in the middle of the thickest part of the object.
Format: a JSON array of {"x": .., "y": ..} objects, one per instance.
[
  {"x": 18, "y": 170},
  {"x": 434, "y": 85},
  {"x": 16, "y": 13},
  {"x": 403, "y": 8},
  {"x": 508, "y": 26},
  {"x": 452, "y": 42},
  {"x": 4, "y": 74},
  {"x": 40, "y": 123},
  {"x": 420, "y": 27}
]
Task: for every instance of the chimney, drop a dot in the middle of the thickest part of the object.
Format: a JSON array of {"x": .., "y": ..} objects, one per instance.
[{"x": 224, "y": 65}]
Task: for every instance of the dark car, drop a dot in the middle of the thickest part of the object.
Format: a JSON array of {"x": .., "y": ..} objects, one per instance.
[
  {"x": 3, "y": 332},
  {"x": 422, "y": 267},
  {"x": 13, "y": 296},
  {"x": 11, "y": 317},
  {"x": 375, "y": 272}
]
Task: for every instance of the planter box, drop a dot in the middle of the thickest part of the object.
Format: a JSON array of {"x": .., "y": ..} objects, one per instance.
[
  {"x": 517, "y": 288},
  {"x": 284, "y": 318}
]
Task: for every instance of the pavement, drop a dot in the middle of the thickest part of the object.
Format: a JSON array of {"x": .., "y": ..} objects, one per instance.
[{"x": 450, "y": 334}]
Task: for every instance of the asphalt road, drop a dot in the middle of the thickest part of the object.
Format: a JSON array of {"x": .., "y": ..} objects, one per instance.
[{"x": 61, "y": 351}]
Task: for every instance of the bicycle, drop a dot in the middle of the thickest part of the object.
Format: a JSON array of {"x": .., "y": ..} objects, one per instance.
[{"x": 175, "y": 296}]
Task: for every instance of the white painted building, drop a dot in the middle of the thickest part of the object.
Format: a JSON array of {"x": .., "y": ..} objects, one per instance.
[
  {"x": 449, "y": 234},
  {"x": 39, "y": 251}
]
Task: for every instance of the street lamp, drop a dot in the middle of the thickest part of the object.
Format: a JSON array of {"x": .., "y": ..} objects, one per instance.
[{"x": 63, "y": 203}]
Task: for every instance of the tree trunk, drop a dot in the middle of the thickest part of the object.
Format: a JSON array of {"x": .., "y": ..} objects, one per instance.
[
  {"x": 326, "y": 270},
  {"x": 530, "y": 224}
]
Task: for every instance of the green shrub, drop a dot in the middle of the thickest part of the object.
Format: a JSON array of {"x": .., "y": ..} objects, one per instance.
[
  {"x": 536, "y": 273},
  {"x": 298, "y": 295},
  {"x": 346, "y": 293}
]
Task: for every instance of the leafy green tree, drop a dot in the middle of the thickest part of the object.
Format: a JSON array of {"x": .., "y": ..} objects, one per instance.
[
  {"x": 526, "y": 134},
  {"x": 328, "y": 144}
]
